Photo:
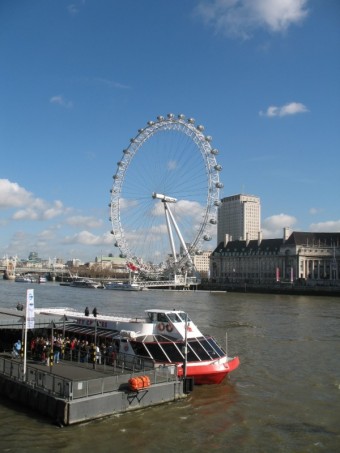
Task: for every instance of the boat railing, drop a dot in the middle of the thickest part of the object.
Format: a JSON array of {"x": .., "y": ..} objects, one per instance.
[{"x": 118, "y": 374}]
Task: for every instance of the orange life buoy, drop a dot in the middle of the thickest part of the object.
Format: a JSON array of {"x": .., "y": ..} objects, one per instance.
[
  {"x": 161, "y": 326},
  {"x": 139, "y": 382},
  {"x": 169, "y": 328}
]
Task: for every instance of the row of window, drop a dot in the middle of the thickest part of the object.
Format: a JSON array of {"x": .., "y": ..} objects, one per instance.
[{"x": 200, "y": 349}]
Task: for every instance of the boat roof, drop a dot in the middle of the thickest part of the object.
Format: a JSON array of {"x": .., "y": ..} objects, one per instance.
[{"x": 161, "y": 310}]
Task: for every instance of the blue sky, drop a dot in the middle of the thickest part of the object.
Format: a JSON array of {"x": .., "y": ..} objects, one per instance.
[{"x": 78, "y": 79}]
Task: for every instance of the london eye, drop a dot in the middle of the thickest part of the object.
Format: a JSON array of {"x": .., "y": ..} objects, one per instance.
[{"x": 164, "y": 196}]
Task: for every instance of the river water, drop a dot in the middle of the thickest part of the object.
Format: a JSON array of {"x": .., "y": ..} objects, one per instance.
[{"x": 284, "y": 397}]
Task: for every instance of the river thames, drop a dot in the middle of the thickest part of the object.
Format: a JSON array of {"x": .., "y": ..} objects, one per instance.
[{"x": 284, "y": 397}]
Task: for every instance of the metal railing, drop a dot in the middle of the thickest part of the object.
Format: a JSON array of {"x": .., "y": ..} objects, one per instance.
[{"x": 122, "y": 369}]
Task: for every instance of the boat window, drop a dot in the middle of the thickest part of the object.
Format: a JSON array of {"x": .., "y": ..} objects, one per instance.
[
  {"x": 174, "y": 317},
  {"x": 192, "y": 356},
  {"x": 215, "y": 347},
  {"x": 201, "y": 353},
  {"x": 161, "y": 317},
  {"x": 157, "y": 352},
  {"x": 184, "y": 316},
  {"x": 139, "y": 348},
  {"x": 152, "y": 316},
  {"x": 172, "y": 352}
]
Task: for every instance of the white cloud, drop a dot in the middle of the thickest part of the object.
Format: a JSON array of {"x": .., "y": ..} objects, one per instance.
[
  {"x": 240, "y": 18},
  {"x": 60, "y": 100},
  {"x": 171, "y": 165},
  {"x": 72, "y": 9},
  {"x": 126, "y": 204},
  {"x": 87, "y": 238},
  {"x": 324, "y": 227},
  {"x": 288, "y": 109},
  {"x": 55, "y": 210},
  {"x": 47, "y": 235},
  {"x": 12, "y": 195},
  {"x": 87, "y": 221},
  {"x": 40, "y": 210},
  {"x": 314, "y": 211},
  {"x": 110, "y": 83},
  {"x": 181, "y": 209},
  {"x": 26, "y": 213},
  {"x": 159, "y": 229},
  {"x": 272, "y": 227}
]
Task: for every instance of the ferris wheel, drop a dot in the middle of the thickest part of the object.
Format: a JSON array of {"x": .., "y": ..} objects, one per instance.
[{"x": 165, "y": 195}]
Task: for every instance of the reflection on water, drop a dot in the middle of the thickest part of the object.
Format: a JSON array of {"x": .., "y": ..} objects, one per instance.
[{"x": 285, "y": 396}]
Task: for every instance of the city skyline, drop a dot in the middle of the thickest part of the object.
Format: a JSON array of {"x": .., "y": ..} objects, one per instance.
[{"x": 261, "y": 76}]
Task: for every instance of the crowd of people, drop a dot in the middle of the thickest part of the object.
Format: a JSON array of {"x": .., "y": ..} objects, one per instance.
[{"x": 48, "y": 351}]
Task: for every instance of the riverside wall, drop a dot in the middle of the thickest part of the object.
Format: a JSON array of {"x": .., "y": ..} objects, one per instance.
[{"x": 280, "y": 288}]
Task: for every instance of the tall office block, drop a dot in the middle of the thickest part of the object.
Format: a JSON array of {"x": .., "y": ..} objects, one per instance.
[{"x": 239, "y": 216}]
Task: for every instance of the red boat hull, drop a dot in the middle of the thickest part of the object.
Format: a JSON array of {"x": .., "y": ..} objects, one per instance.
[{"x": 212, "y": 373}]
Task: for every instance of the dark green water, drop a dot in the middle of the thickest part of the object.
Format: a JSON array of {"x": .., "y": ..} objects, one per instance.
[{"x": 285, "y": 397}]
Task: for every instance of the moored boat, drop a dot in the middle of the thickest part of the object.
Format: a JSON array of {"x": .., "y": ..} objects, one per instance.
[
  {"x": 79, "y": 282},
  {"x": 164, "y": 337},
  {"x": 123, "y": 286},
  {"x": 24, "y": 279}
]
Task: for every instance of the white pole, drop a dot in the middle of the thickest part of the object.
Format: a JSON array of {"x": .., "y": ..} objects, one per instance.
[
  {"x": 29, "y": 323},
  {"x": 171, "y": 239},
  {"x": 25, "y": 348},
  {"x": 179, "y": 235},
  {"x": 185, "y": 347}
]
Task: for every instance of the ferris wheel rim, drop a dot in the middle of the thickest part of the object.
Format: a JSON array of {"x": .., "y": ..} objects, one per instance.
[{"x": 212, "y": 170}]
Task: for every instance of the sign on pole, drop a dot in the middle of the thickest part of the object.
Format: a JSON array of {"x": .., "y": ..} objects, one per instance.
[
  {"x": 29, "y": 324},
  {"x": 30, "y": 309}
]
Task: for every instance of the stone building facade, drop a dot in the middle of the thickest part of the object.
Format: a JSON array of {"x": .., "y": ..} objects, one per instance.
[
  {"x": 202, "y": 263},
  {"x": 298, "y": 256}
]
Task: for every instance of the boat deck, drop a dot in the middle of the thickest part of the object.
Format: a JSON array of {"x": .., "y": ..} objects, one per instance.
[{"x": 71, "y": 393}]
